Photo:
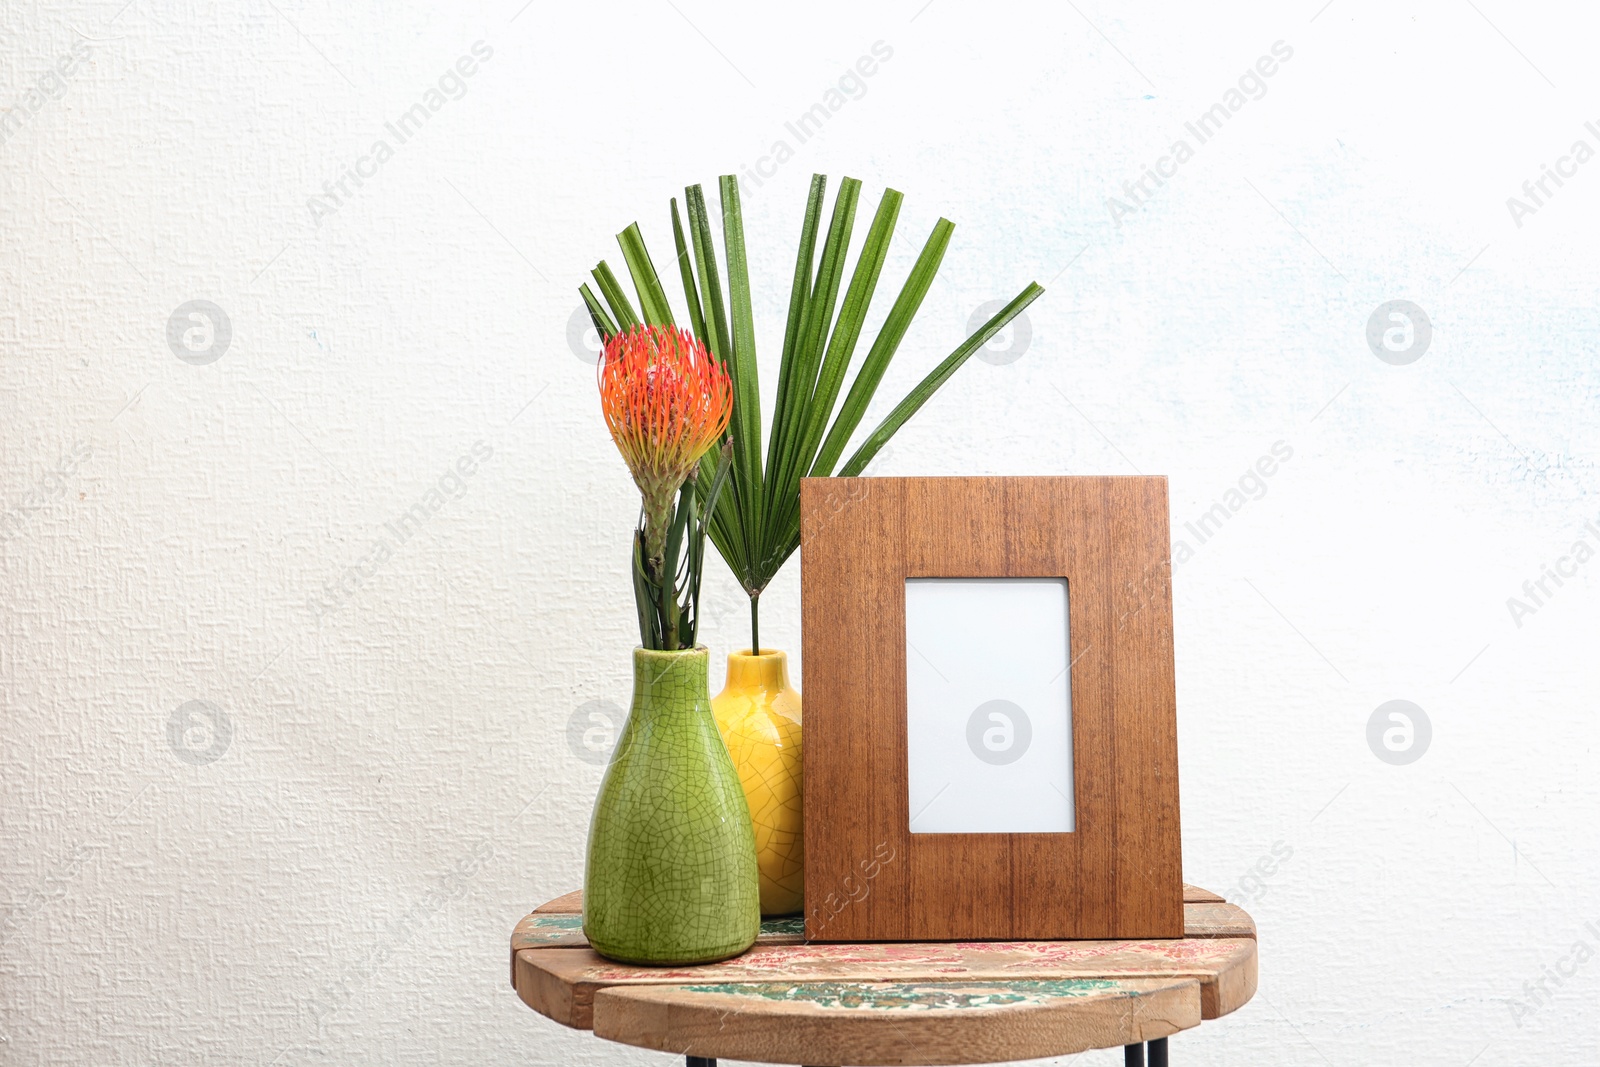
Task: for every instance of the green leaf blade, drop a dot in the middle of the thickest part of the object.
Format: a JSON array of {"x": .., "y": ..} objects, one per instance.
[
  {"x": 789, "y": 399},
  {"x": 691, "y": 294},
  {"x": 705, "y": 258},
  {"x": 938, "y": 376},
  {"x": 612, "y": 290},
  {"x": 652, "y": 297},
  {"x": 809, "y": 348},
  {"x": 894, "y": 329},
  {"x": 597, "y": 314},
  {"x": 847, "y": 331},
  {"x": 745, "y": 425}
]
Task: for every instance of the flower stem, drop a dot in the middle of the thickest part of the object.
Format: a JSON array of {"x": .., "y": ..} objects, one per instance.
[
  {"x": 755, "y": 624},
  {"x": 657, "y": 521}
]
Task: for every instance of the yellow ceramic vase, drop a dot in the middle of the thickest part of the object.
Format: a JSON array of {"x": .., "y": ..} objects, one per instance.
[{"x": 759, "y": 716}]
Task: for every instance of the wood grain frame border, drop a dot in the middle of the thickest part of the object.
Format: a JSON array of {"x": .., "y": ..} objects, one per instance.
[{"x": 868, "y": 878}]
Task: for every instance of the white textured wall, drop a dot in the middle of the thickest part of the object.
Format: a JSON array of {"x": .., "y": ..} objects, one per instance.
[{"x": 395, "y": 784}]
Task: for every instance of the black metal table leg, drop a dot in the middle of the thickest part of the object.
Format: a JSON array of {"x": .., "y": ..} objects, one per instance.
[
  {"x": 1134, "y": 1055},
  {"x": 698, "y": 1061}
]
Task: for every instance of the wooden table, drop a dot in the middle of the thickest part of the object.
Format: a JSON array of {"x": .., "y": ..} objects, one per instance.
[{"x": 787, "y": 1001}]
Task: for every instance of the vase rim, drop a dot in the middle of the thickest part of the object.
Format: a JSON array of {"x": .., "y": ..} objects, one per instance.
[
  {"x": 765, "y": 653},
  {"x": 697, "y": 650}
]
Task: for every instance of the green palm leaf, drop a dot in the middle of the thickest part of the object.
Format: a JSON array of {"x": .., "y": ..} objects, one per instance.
[{"x": 754, "y": 518}]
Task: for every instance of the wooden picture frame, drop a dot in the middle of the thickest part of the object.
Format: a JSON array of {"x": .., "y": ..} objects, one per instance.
[{"x": 1118, "y": 873}]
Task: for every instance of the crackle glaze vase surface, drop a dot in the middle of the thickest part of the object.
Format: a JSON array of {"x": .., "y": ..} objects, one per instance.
[
  {"x": 671, "y": 873},
  {"x": 759, "y": 716}
]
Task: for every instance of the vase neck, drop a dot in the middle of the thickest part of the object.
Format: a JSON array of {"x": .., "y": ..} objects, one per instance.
[
  {"x": 662, "y": 679},
  {"x": 769, "y": 670}
]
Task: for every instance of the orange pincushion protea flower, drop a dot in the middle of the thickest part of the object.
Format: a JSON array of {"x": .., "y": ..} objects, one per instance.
[{"x": 666, "y": 400}]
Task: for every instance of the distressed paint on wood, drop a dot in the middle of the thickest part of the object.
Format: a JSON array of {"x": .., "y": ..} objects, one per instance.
[
  {"x": 561, "y": 982},
  {"x": 565, "y": 930},
  {"x": 547, "y": 928},
  {"x": 896, "y": 1023},
  {"x": 570, "y": 902},
  {"x": 1217, "y": 920},
  {"x": 905, "y": 996}
]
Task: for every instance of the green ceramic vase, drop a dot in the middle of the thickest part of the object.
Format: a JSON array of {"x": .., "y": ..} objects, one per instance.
[{"x": 671, "y": 876}]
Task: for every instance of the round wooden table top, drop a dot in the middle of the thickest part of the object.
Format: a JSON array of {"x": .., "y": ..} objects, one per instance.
[{"x": 787, "y": 1001}]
